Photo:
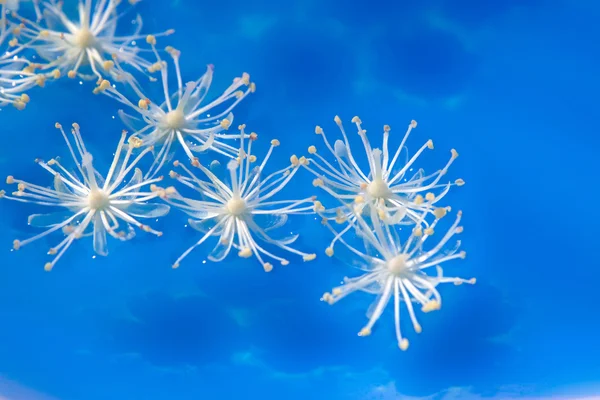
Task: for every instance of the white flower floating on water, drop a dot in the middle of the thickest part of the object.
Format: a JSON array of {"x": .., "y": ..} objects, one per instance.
[
  {"x": 241, "y": 211},
  {"x": 17, "y": 74},
  {"x": 181, "y": 118},
  {"x": 399, "y": 269},
  {"x": 89, "y": 41},
  {"x": 384, "y": 185},
  {"x": 90, "y": 200}
]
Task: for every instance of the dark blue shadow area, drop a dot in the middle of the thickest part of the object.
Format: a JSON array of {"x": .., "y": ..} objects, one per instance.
[
  {"x": 175, "y": 332},
  {"x": 311, "y": 62},
  {"x": 475, "y": 14},
  {"x": 458, "y": 343},
  {"x": 424, "y": 62}
]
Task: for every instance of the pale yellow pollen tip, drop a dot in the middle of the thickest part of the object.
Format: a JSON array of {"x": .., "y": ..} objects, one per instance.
[
  {"x": 16, "y": 244},
  {"x": 430, "y": 144},
  {"x": 432, "y": 305},
  {"x": 356, "y": 120},
  {"x": 413, "y": 124},
  {"x": 418, "y": 328},
  {"x": 294, "y": 160},
  {"x": 309, "y": 257},
  {"x": 327, "y": 298},
  {"x": 275, "y": 143},
  {"x": 143, "y": 104},
  {"x": 337, "y": 120},
  {"x": 10, "y": 180},
  {"x": 386, "y": 128},
  {"x": 175, "y": 266},
  {"x": 225, "y": 123},
  {"x": 48, "y": 267},
  {"x": 245, "y": 252},
  {"x": 439, "y": 212},
  {"x": 454, "y": 153},
  {"x": 364, "y": 332},
  {"x": 312, "y": 149},
  {"x": 459, "y": 182},
  {"x": 268, "y": 267},
  {"x": 403, "y": 344},
  {"x": 318, "y": 130},
  {"x": 19, "y": 104},
  {"x": 151, "y": 39},
  {"x": 329, "y": 251}
]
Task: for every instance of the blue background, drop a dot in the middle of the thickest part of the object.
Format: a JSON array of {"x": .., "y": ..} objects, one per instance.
[{"x": 512, "y": 85}]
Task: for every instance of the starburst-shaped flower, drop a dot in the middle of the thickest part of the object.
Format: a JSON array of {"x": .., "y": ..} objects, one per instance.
[
  {"x": 89, "y": 200},
  {"x": 241, "y": 211}
]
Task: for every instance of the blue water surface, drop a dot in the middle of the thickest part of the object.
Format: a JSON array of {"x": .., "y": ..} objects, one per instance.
[{"x": 512, "y": 85}]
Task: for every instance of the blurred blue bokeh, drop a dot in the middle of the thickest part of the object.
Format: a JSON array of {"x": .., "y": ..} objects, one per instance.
[{"x": 513, "y": 85}]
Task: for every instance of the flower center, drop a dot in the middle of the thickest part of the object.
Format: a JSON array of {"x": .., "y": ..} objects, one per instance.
[
  {"x": 397, "y": 265},
  {"x": 175, "y": 119},
  {"x": 84, "y": 38},
  {"x": 378, "y": 188},
  {"x": 98, "y": 200},
  {"x": 236, "y": 206}
]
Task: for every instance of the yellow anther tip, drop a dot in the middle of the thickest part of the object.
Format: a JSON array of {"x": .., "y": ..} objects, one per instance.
[
  {"x": 403, "y": 344},
  {"x": 309, "y": 257},
  {"x": 364, "y": 332}
]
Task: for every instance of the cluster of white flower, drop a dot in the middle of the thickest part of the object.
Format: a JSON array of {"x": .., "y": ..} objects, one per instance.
[{"x": 237, "y": 206}]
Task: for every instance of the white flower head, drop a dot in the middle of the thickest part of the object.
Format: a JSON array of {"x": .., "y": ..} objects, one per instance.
[{"x": 91, "y": 200}]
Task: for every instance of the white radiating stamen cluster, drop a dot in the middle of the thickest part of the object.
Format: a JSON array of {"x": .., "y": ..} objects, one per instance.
[
  {"x": 384, "y": 185},
  {"x": 90, "y": 200},
  {"x": 86, "y": 46},
  {"x": 17, "y": 74},
  {"x": 181, "y": 118},
  {"x": 398, "y": 269},
  {"x": 241, "y": 211}
]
